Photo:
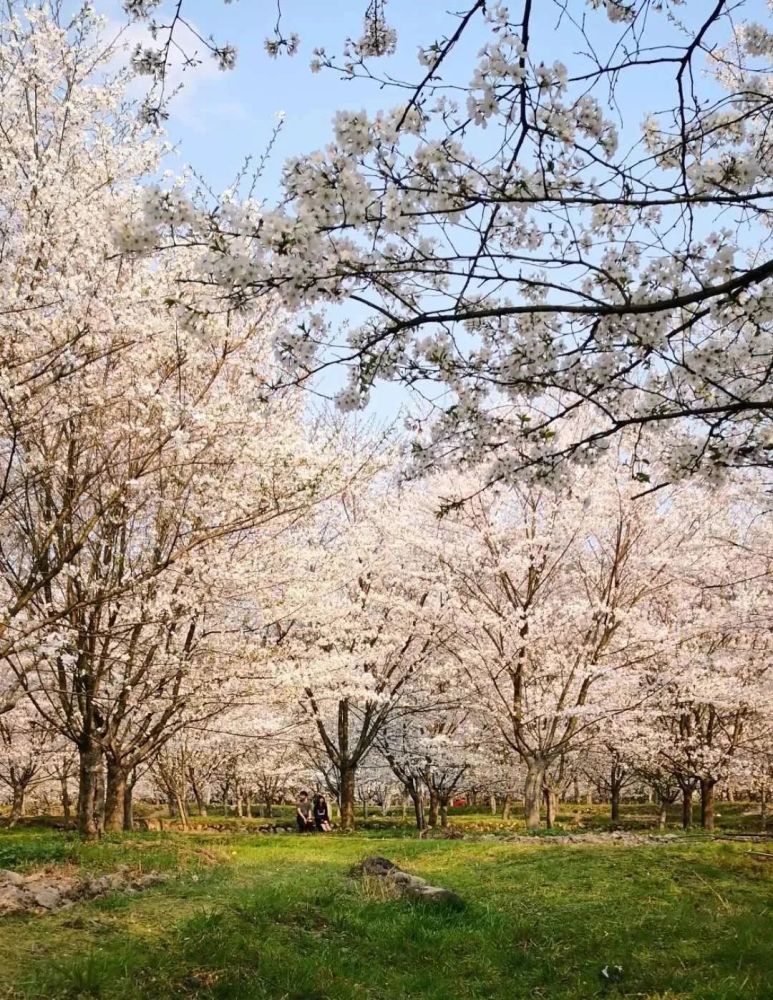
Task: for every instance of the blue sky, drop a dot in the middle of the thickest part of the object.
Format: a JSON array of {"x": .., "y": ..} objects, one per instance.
[{"x": 221, "y": 117}]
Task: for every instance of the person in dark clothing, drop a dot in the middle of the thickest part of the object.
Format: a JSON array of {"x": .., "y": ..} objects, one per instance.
[
  {"x": 321, "y": 814},
  {"x": 303, "y": 814}
]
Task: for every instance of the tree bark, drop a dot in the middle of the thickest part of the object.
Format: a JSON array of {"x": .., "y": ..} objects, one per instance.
[
  {"x": 614, "y": 784},
  {"x": 99, "y": 798},
  {"x": 65, "y": 799},
  {"x": 434, "y": 804},
  {"x": 686, "y": 808},
  {"x": 128, "y": 806},
  {"x": 551, "y": 806},
  {"x": 662, "y": 814},
  {"x": 115, "y": 796},
  {"x": 707, "y": 803},
  {"x": 506, "y": 806},
  {"x": 17, "y": 805},
  {"x": 444, "y": 812},
  {"x": 200, "y": 804},
  {"x": 90, "y": 762},
  {"x": 532, "y": 793},
  {"x": 348, "y": 774},
  {"x": 493, "y": 804},
  {"x": 418, "y": 809}
]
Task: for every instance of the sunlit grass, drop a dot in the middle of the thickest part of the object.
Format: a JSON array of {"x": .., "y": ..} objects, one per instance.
[{"x": 281, "y": 917}]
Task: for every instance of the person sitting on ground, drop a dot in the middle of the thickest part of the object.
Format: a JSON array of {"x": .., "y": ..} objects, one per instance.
[
  {"x": 303, "y": 816},
  {"x": 321, "y": 815}
]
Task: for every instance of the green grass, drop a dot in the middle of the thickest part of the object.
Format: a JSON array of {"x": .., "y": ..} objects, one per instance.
[{"x": 252, "y": 918}]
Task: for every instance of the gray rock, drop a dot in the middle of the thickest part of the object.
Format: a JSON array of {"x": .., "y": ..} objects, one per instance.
[
  {"x": 409, "y": 886},
  {"x": 46, "y": 896},
  {"x": 8, "y": 877},
  {"x": 378, "y": 866},
  {"x": 11, "y": 878},
  {"x": 12, "y": 899},
  {"x": 433, "y": 894},
  {"x": 403, "y": 878}
]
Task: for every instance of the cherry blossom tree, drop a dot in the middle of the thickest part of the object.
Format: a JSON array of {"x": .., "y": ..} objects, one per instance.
[
  {"x": 350, "y": 651},
  {"x": 520, "y": 229},
  {"x": 555, "y": 597},
  {"x": 147, "y": 475},
  {"x": 26, "y": 756}
]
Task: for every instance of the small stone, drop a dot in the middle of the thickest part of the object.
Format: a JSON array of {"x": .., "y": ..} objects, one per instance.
[
  {"x": 378, "y": 866},
  {"x": 11, "y": 878},
  {"x": 432, "y": 894},
  {"x": 47, "y": 896},
  {"x": 12, "y": 899}
]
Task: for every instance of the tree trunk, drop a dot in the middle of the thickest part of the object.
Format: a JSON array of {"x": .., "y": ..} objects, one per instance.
[
  {"x": 200, "y": 804},
  {"x": 17, "y": 805},
  {"x": 182, "y": 812},
  {"x": 444, "y": 812},
  {"x": 764, "y": 807},
  {"x": 707, "y": 803},
  {"x": 405, "y": 809},
  {"x": 269, "y": 808},
  {"x": 348, "y": 775},
  {"x": 532, "y": 794},
  {"x": 434, "y": 804},
  {"x": 115, "y": 796},
  {"x": 418, "y": 808},
  {"x": 614, "y": 785},
  {"x": 90, "y": 762},
  {"x": 65, "y": 799},
  {"x": 128, "y": 806},
  {"x": 551, "y": 806},
  {"x": 99, "y": 798},
  {"x": 589, "y": 797},
  {"x": 662, "y": 814},
  {"x": 506, "y": 806},
  {"x": 493, "y": 804},
  {"x": 686, "y": 808}
]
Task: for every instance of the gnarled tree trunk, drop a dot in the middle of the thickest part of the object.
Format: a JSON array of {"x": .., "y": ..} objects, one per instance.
[
  {"x": 551, "y": 806},
  {"x": 17, "y": 804},
  {"x": 348, "y": 775},
  {"x": 128, "y": 806},
  {"x": 115, "y": 796},
  {"x": 434, "y": 804},
  {"x": 90, "y": 766},
  {"x": 707, "y": 803},
  {"x": 532, "y": 793}
]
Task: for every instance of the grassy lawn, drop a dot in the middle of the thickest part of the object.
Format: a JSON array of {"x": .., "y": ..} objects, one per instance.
[{"x": 280, "y": 917}]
